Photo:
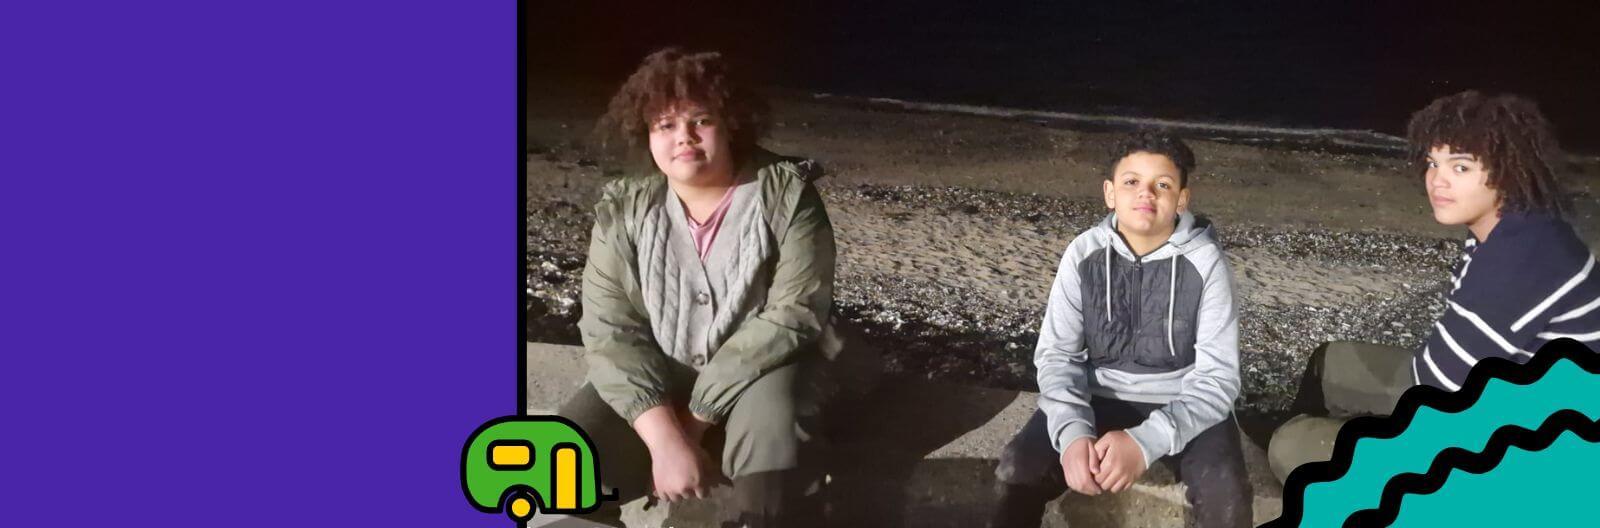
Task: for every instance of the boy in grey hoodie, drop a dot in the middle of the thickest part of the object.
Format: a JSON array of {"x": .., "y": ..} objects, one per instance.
[{"x": 1138, "y": 355}]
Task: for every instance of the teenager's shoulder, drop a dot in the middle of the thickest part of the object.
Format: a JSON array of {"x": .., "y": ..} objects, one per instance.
[
  {"x": 1531, "y": 260},
  {"x": 625, "y": 198},
  {"x": 1528, "y": 242},
  {"x": 786, "y": 169},
  {"x": 1205, "y": 252},
  {"x": 630, "y": 189},
  {"x": 780, "y": 173},
  {"x": 1087, "y": 243}
]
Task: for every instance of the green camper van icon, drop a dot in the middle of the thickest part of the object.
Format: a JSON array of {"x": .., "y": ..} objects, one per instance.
[{"x": 523, "y": 465}]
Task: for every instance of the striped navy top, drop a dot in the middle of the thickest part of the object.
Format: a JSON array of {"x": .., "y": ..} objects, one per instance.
[{"x": 1533, "y": 281}]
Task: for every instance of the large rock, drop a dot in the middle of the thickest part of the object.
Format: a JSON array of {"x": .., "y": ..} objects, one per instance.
[{"x": 916, "y": 453}]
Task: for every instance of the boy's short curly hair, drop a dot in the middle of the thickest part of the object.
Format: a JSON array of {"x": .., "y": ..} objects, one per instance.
[
  {"x": 1507, "y": 133},
  {"x": 670, "y": 76},
  {"x": 1155, "y": 142}
]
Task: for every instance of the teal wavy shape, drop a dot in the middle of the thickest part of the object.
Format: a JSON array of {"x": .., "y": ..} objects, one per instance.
[{"x": 1499, "y": 393}]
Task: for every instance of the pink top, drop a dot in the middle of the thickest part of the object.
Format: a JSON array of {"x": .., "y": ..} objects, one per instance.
[{"x": 705, "y": 233}]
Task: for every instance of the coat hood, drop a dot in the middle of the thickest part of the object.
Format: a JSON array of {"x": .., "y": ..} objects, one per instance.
[{"x": 1193, "y": 233}]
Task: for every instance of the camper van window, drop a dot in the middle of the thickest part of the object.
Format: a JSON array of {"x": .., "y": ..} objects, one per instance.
[{"x": 511, "y": 455}]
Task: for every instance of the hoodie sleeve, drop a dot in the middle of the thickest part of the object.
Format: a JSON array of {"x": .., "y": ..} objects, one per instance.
[
  {"x": 1209, "y": 389},
  {"x": 1061, "y": 359}
]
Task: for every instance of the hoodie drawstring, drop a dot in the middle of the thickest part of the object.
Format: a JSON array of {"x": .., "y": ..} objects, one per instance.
[
  {"x": 1108, "y": 280},
  {"x": 1172, "y": 294},
  {"x": 1172, "y": 286}
]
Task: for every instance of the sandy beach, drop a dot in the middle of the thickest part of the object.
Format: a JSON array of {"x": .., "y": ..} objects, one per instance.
[{"x": 950, "y": 228}]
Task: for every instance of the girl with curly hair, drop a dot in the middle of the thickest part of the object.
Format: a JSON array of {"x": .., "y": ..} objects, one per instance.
[{"x": 706, "y": 300}]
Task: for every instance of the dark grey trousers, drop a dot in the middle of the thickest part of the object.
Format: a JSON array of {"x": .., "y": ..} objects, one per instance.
[
  {"x": 769, "y": 447},
  {"x": 1211, "y": 466}
]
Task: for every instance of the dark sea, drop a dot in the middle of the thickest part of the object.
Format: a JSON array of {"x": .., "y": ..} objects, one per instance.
[{"x": 1324, "y": 67}]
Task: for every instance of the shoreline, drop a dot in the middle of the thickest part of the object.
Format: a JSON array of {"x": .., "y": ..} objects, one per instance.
[
  {"x": 1331, "y": 140},
  {"x": 1275, "y": 137}
]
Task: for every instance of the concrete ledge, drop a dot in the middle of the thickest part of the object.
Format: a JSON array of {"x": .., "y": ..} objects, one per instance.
[{"x": 917, "y": 453}]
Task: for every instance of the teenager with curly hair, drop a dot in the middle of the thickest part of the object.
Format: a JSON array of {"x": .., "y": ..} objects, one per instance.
[
  {"x": 1491, "y": 165},
  {"x": 706, "y": 300}
]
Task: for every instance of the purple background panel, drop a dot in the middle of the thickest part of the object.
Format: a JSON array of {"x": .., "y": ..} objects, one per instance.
[{"x": 261, "y": 260}]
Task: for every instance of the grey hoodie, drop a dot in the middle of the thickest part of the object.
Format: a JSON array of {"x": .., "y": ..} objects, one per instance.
[{"x": 1162, "y": 330}]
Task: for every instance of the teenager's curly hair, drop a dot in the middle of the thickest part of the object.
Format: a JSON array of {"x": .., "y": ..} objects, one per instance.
[
  {"x": 672, "y": 75},
  {"x": 1508, "y": 135},
  {"x": 1154, "y": 142}
]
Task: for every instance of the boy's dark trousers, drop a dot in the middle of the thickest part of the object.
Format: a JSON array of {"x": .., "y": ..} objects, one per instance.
[{"x": 1212, "y": 466}]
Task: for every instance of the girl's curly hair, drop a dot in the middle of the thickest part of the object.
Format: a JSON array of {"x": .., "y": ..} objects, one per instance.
[
  {"x": 670, "y": 76},
  {"x": 1507, "y": 133}
]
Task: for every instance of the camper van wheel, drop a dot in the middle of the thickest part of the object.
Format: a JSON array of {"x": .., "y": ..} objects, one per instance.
[{"x": 520, "y": 507}]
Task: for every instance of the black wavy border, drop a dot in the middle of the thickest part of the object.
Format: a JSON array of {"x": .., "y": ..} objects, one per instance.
[
  {"x": 1454, "y": 458},
  {"x": 1413, "y": 399}
]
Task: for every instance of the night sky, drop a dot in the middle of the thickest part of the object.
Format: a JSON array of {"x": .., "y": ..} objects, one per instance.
[{"x": 1348, "y": 65}]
